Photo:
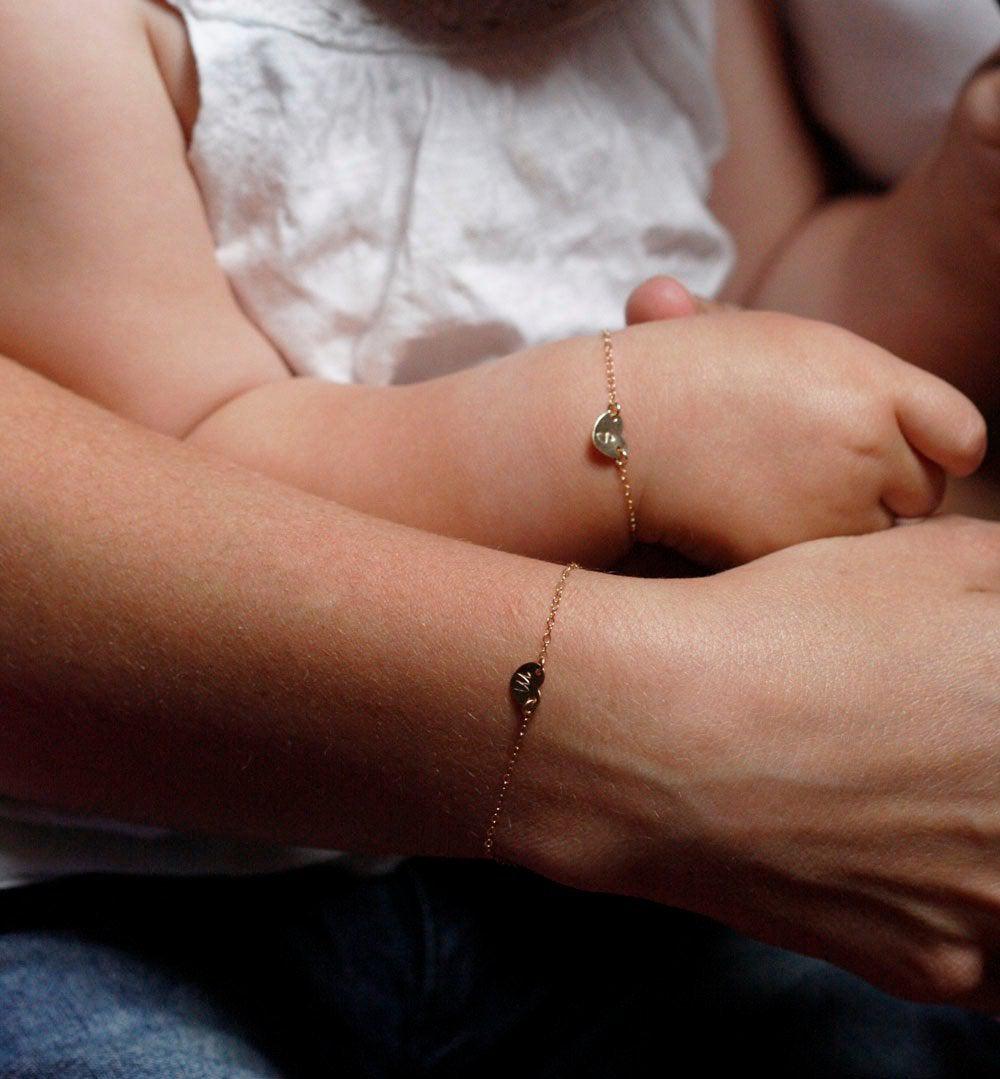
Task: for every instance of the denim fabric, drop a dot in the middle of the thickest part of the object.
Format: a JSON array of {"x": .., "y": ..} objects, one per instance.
[{"x": 440, "y": 968}]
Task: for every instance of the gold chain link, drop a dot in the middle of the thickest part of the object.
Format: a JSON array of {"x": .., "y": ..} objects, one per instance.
[
  {"x": 489, "y": 843},
  {"x": 621, "y": 455},
  {"x": 527, "y": 709}
]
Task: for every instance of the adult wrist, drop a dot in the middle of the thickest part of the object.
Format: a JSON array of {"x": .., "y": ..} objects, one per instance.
[{"x": 591, "y": 803}]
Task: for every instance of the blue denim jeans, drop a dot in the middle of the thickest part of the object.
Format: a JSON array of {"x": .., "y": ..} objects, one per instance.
[{"x": 440, "y": 968}]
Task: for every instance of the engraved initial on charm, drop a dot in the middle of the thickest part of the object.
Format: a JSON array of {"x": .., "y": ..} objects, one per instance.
[
  {"x": 526, "y": 686},
  {"x": 608, "y": 437}
]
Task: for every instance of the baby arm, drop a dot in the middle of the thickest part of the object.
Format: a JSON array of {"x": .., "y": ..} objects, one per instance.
[
  {"x": 112, "y": 290},
  {"x": 116, "y": 294},
  {"x": 916, "y": 269},
  {"x": 498, "y": 454}
]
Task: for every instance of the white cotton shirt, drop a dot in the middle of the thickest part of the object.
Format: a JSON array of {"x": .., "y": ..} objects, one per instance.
[
  {"x": 391, "y": 203},
  {"x": 401, "y": 189}
]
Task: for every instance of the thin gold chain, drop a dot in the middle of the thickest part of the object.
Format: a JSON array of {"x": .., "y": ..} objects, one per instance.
[
  {"x": 526, "y": 714},
  {"x": 621, "y": 456},
  {"x": 528, "y": 709}
]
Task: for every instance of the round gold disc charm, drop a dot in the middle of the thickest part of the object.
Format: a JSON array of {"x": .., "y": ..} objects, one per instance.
[
  {"x": 526, "y": 686},
  {"x": 608, "y": 436}
]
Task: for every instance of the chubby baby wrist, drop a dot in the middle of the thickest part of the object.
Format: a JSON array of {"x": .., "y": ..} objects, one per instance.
[{"x": 626, "y": 425}]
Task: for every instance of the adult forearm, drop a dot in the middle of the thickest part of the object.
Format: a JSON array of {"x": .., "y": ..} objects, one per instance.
[
  {"x": 187, "y": 643},
  {"x": 498, "y": 453}
]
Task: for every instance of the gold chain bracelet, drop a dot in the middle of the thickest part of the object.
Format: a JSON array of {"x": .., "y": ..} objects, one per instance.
[
  {"x": 608, "y": 435},
  {"x": 526, "y": 689},
  {"x": 526, "y": 682}
]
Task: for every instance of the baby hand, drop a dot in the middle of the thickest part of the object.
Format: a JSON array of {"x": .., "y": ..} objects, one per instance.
[{"x": 772, "y": 430}]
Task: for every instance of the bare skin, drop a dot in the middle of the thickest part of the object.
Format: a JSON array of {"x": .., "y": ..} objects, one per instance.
[
  {"x": 189, "y": 643},
  {"x": 916, "y": 269},
  {"x": 497, "y": 453},
  {"x": 665, "y": 298},
  {"x": 181, "y": 642}
]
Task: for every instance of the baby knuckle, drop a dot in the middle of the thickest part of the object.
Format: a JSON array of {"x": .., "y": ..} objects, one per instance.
[
  {"x": 915, "y": 494},
  {"x": 936, "y": 490},
  {"x": 873, "y": 428}
]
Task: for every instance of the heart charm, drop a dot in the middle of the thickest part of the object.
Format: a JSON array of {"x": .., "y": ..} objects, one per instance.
[
  {"x": 526, "y": 686},
  {"x": 607, "y": 436}
]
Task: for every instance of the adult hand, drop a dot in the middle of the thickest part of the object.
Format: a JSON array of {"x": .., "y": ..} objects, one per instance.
[{"x": 806, "y": 748}]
